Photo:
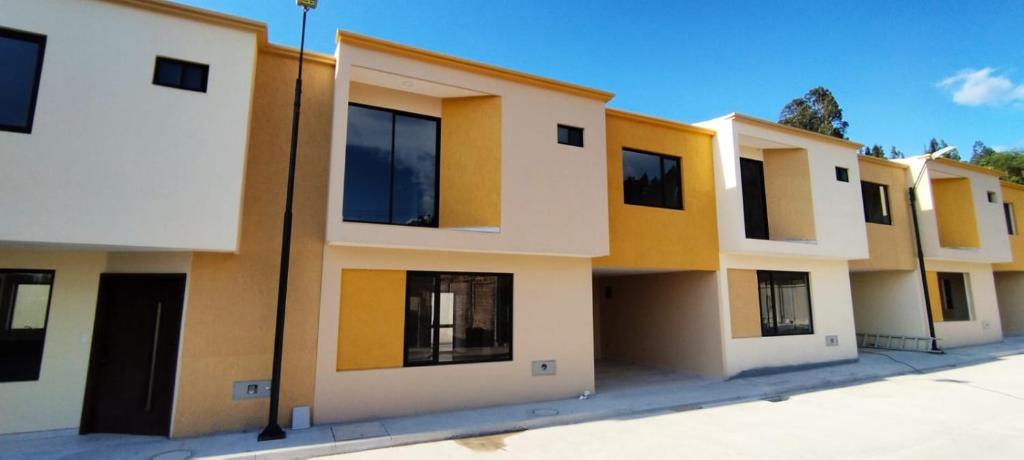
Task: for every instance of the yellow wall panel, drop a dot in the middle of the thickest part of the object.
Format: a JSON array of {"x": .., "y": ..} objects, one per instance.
[
  {"x": 787, "y": 186},
  {"x": 934, "y": 296},
  {"x": 470, "y": 162},
  {"x": 1013, "y": 193},
  {"x": 654, "y": 238},
  {"x": 744, "y": 304},
  {"x": 954, "y": 212},
  {"x": 371, "y": 324},
  {"x": 891, "y": 247}
]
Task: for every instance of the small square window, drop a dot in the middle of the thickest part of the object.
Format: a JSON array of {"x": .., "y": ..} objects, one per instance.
[
  {"x": 842, "y": 174},
  {"x": 185, "y": 75},
  {"x": 992, "y": 197},
  {"x": 570, "y": 135}
]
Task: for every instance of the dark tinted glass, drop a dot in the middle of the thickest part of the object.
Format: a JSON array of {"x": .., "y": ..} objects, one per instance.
[
  {"x": 842, "y": 174},
  {"x": 1011, "y": 224},
  {"x": 953, "y": 293},
  {"x": 415, "y": 171},
  {"x": 368, "y": 166},
  {"x": 180, "y": 74},
  {"x": 21, "y": 56},
  {"x": 755, "y": 213},
  {"x": 641, "y": 175},
  {"x": 470, "y": 316},
  {"x": 673, "y": 182},
  {"x": 785, "y": 303},
  {"x": 24, "y": 307},
  {"x": 570, "y": 135},
  {"x": 876, "y": 203}
]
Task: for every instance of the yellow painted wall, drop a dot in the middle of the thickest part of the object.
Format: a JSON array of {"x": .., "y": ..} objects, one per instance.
[
  {"x": 954, "y": 213},
  {"x": 1013, "y": 193},
  {"x": 654, "y": 238},
  {"x": 934, "y": 297},
  {"x": 470, "y": 162},
  {"x": 744, "y": 303},
  {"x": 371, "y": 319},
  {"x": 787, "y": 186},
  {"x": 232, "y": 298},
  {"x": 891, "y": 246}
]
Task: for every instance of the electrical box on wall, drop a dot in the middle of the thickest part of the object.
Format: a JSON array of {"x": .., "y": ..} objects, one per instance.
[
  {"x": 544, "y": 367},
  {"x": 832, "y": 340},
  {"x": 250, "y": 389}
]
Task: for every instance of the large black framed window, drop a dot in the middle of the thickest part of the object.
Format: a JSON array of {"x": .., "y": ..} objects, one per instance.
[
  {"x": 785, "y": 299},
  {"x": 24, "y": 310},
  {"x": 755, "y": 201},
  {"x": 21, "y": 66},
  {"x": 391, "y": 167},
  {"x": 455, "y": 318},
  {"x": 652, "y": 179},
  {"x": 953, "y": 295},
  {"x": 876, "y": 203},
  {"x": 1011, "y": 218}
]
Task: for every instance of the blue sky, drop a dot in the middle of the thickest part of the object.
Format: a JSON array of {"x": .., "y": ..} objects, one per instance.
[{"x": 902, "y": 71}]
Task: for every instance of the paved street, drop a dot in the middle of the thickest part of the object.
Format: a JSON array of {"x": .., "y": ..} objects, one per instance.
[{"x": 969, "y": 412}]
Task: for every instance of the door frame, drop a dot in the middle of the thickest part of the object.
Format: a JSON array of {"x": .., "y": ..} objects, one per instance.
[{"x": 84, "y": 425}]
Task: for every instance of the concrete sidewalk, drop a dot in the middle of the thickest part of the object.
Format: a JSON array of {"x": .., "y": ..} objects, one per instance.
[{"x": 620, "y": 401}]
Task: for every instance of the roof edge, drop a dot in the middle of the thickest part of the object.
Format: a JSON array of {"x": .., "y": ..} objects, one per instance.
[
  {"x": 1013, "y": 185},
  {"x": 969, "y": 167},
  {"x": 420, "y": 54},
  {"x": 789, "y": 129},
  {"x": 882, "y": 162},
  {"x": 663, "y": 122},
  {"x": 199, "y": 14}
]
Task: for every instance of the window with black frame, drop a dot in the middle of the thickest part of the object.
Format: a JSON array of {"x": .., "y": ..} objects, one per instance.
[
  {"x": 953, "y": 297},
  {"x": 876, "y": 203},
  {"x": 1011, "y": 218},
  {"x": 391, "y": 162},
  {"x": 21, "y": 61},
  {"x": 24, "y": 308},
  {"x": 457, "y": 318},
  {"x": 652, "y": 179},
  {"x": 785, "y": 299}
]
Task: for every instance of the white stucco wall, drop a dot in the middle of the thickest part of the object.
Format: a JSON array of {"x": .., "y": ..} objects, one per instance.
[
  {"x": 995, "y": 244},
  {"x": 889, "y": 302},
  {"x": 1010, "y": 292},
  {"x": 838, "y": 211},
  {"x": 552, "y": 319},
  {"x": 985, "y": 325},
  {"x": 553, "y": 197},
  {"x": 831, "y": 310},
  {"x": 114, "y": 160}
]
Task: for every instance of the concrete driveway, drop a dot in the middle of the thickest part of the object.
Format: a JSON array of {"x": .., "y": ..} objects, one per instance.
[{"x": 969, "y": 412}]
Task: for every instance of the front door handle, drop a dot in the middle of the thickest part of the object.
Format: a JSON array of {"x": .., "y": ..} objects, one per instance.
[{"x": 152, "y": 357}]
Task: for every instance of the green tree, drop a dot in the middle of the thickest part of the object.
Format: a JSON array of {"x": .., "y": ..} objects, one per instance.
[
  {"x": 1009, "y": 162},
  {"x": 980, "y": 150},
  {"x": 934, "y": 145},
  {"x": 874, "y": 151},
  {"x": 816, "y": 111},
  {"x": 895, "y": 154}
]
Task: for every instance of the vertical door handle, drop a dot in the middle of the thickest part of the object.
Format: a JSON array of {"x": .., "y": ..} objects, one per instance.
[{"x": 152, "y": 357}]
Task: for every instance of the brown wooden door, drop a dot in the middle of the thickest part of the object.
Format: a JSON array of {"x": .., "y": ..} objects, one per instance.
[{"x": 130, "y": 387}]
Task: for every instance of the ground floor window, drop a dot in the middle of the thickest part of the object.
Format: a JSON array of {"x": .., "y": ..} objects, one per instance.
[
  {"x": 24, "y": 307},
  {"x": 785, "y": 299},
  {"x": 457, "y": 318},
  {"x": 953, "y": 295}
]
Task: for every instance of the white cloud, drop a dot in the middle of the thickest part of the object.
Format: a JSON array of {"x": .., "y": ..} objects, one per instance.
[{"x": 983, "y": 87}]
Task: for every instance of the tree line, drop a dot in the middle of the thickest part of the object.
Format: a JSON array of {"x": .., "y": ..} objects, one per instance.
[{"x": 819, "y": 112}]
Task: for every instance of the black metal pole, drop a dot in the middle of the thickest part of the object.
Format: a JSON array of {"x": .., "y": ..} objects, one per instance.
[
  {"x": 924, "y": 274},
  {"x": 273, "y": 430}
]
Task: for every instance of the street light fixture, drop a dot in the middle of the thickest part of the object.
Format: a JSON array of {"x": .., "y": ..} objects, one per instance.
[
  {"x": 920, "y": 250},
  {"x": 273, "y": 430}
]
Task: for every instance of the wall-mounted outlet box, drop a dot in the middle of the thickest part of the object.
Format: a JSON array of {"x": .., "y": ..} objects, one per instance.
[
  {"x": 832, "y": 340},
  {"x": 544, "y": 367},
  {"x": 250, "y": 389}
]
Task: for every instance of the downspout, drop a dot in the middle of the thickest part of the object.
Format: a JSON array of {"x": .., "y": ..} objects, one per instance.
[{"x": 924, "y": 275}]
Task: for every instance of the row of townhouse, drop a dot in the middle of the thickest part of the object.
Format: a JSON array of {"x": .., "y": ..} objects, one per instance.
[{"x": 464, "y": 235}]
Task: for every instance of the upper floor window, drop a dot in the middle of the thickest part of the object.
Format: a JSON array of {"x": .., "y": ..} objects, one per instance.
[
  {"x": 391, "y": 163},
  {"x": 179, "y": 74},
  {"x": 24, "y": 306},
  {"x": 21, "y": 66},
  {"x": 1011, "y": 218},
  {"x": 992, "y": 198},
  {"x": 457, "y": 318},
  {"x": 842, "y": 174},
  {"x": 876, "y": 203},
  {"x": 570, "y": 135},
  {"x": 755, "y": 202},
  {"x": 785, "y": 299},
  {"x": 651, "y": 179}
]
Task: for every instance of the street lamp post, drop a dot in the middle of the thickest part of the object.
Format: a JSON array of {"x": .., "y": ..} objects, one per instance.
[
  {"x": 920, "y": 249},
  {"x": 273, "y": 430}
]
